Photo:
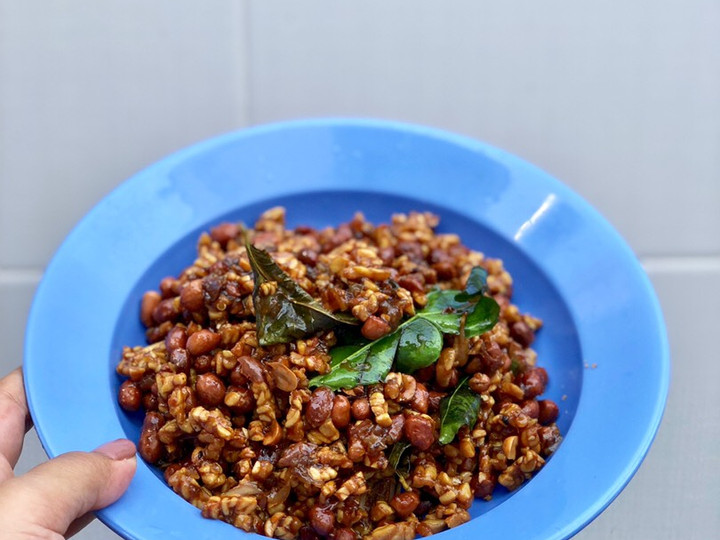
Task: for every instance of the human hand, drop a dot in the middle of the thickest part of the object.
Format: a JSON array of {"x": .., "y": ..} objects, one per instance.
[{"x": 54, "y": 500}]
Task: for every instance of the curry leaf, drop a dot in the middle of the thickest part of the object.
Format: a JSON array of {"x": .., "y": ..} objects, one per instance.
[
  {"x": 379, "y": 360},
  {"x": 288, "y": 312},
  {"x": 367, "y": 365},
  {"x": 399, "y": 463},
  {"x": 483, "y": 317},
  {"x": 396, "y": 453},
  {"x": 476, "y": 284},
  {"x": 420, "y": 345},
  {"x": 338, "y": 377},
  {"x": 417, "y": 342},
  {"x": 457, "y": 410},
  {"x": 445, "y": 308},
  {"x": 444, "y": 311},
  {"x": 338, "y": 354}
]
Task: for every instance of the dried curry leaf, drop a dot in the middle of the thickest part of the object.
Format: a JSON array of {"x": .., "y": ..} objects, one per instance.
[
  {"x": 457, "y": 410},
  {"x": 400, "y": 462},
  {"x": 288, "y": 312},
  {"x": 396, "y": 453}
]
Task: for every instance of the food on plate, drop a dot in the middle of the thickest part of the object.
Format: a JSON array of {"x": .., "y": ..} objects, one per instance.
[{"x": 354, "y": 382}]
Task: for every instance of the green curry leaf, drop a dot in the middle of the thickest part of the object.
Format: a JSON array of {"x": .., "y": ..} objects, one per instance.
[
  {"x": 420, "y": 345},
  {"x": 367, "y": 365},
  {"x": 338, "y": 354},
  {"x": 483, "y": 317},
  {"x": 445, "y": 308},
  {"x": 444, "y": 311},
  {"x": 476, "y": 283},
  {"x": 457, "y": 410},
  {"x": 289, "y": 312},
  {"x": 417, "y": 342}
]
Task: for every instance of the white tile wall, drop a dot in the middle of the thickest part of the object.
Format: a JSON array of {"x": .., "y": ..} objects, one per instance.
[
  {"x": 621, "y": 100},
  {"x": 92, "y": 92},
  {"x": 16, "y": 292},
  {"x": 618, "y": 99}
]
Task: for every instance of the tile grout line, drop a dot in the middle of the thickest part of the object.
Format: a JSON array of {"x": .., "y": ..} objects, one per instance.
[
  {"x": 652, "y": 264},
  {"x": 681, "y": 263},
  {"x": 20, "y": 276}
]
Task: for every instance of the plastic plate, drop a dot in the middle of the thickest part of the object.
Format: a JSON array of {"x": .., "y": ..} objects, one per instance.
[{"x": 603, "y": 341}]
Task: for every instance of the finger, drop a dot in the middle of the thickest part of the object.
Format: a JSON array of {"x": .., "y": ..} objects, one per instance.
[
  {"x": 66, "y": 488},
  {"x": 14, "y": 420}
]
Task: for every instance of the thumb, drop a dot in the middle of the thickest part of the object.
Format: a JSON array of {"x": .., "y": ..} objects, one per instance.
[{"x": 53, "y": 495}]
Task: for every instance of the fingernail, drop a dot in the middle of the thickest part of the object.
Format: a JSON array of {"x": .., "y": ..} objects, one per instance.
[{"x": 118, "y": 450}]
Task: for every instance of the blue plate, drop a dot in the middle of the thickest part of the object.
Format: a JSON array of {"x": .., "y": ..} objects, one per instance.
[{"x": 603, "y": 343}]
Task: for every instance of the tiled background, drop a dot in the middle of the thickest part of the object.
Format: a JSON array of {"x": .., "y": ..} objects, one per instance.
[{"x": 620, "y": 100}]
